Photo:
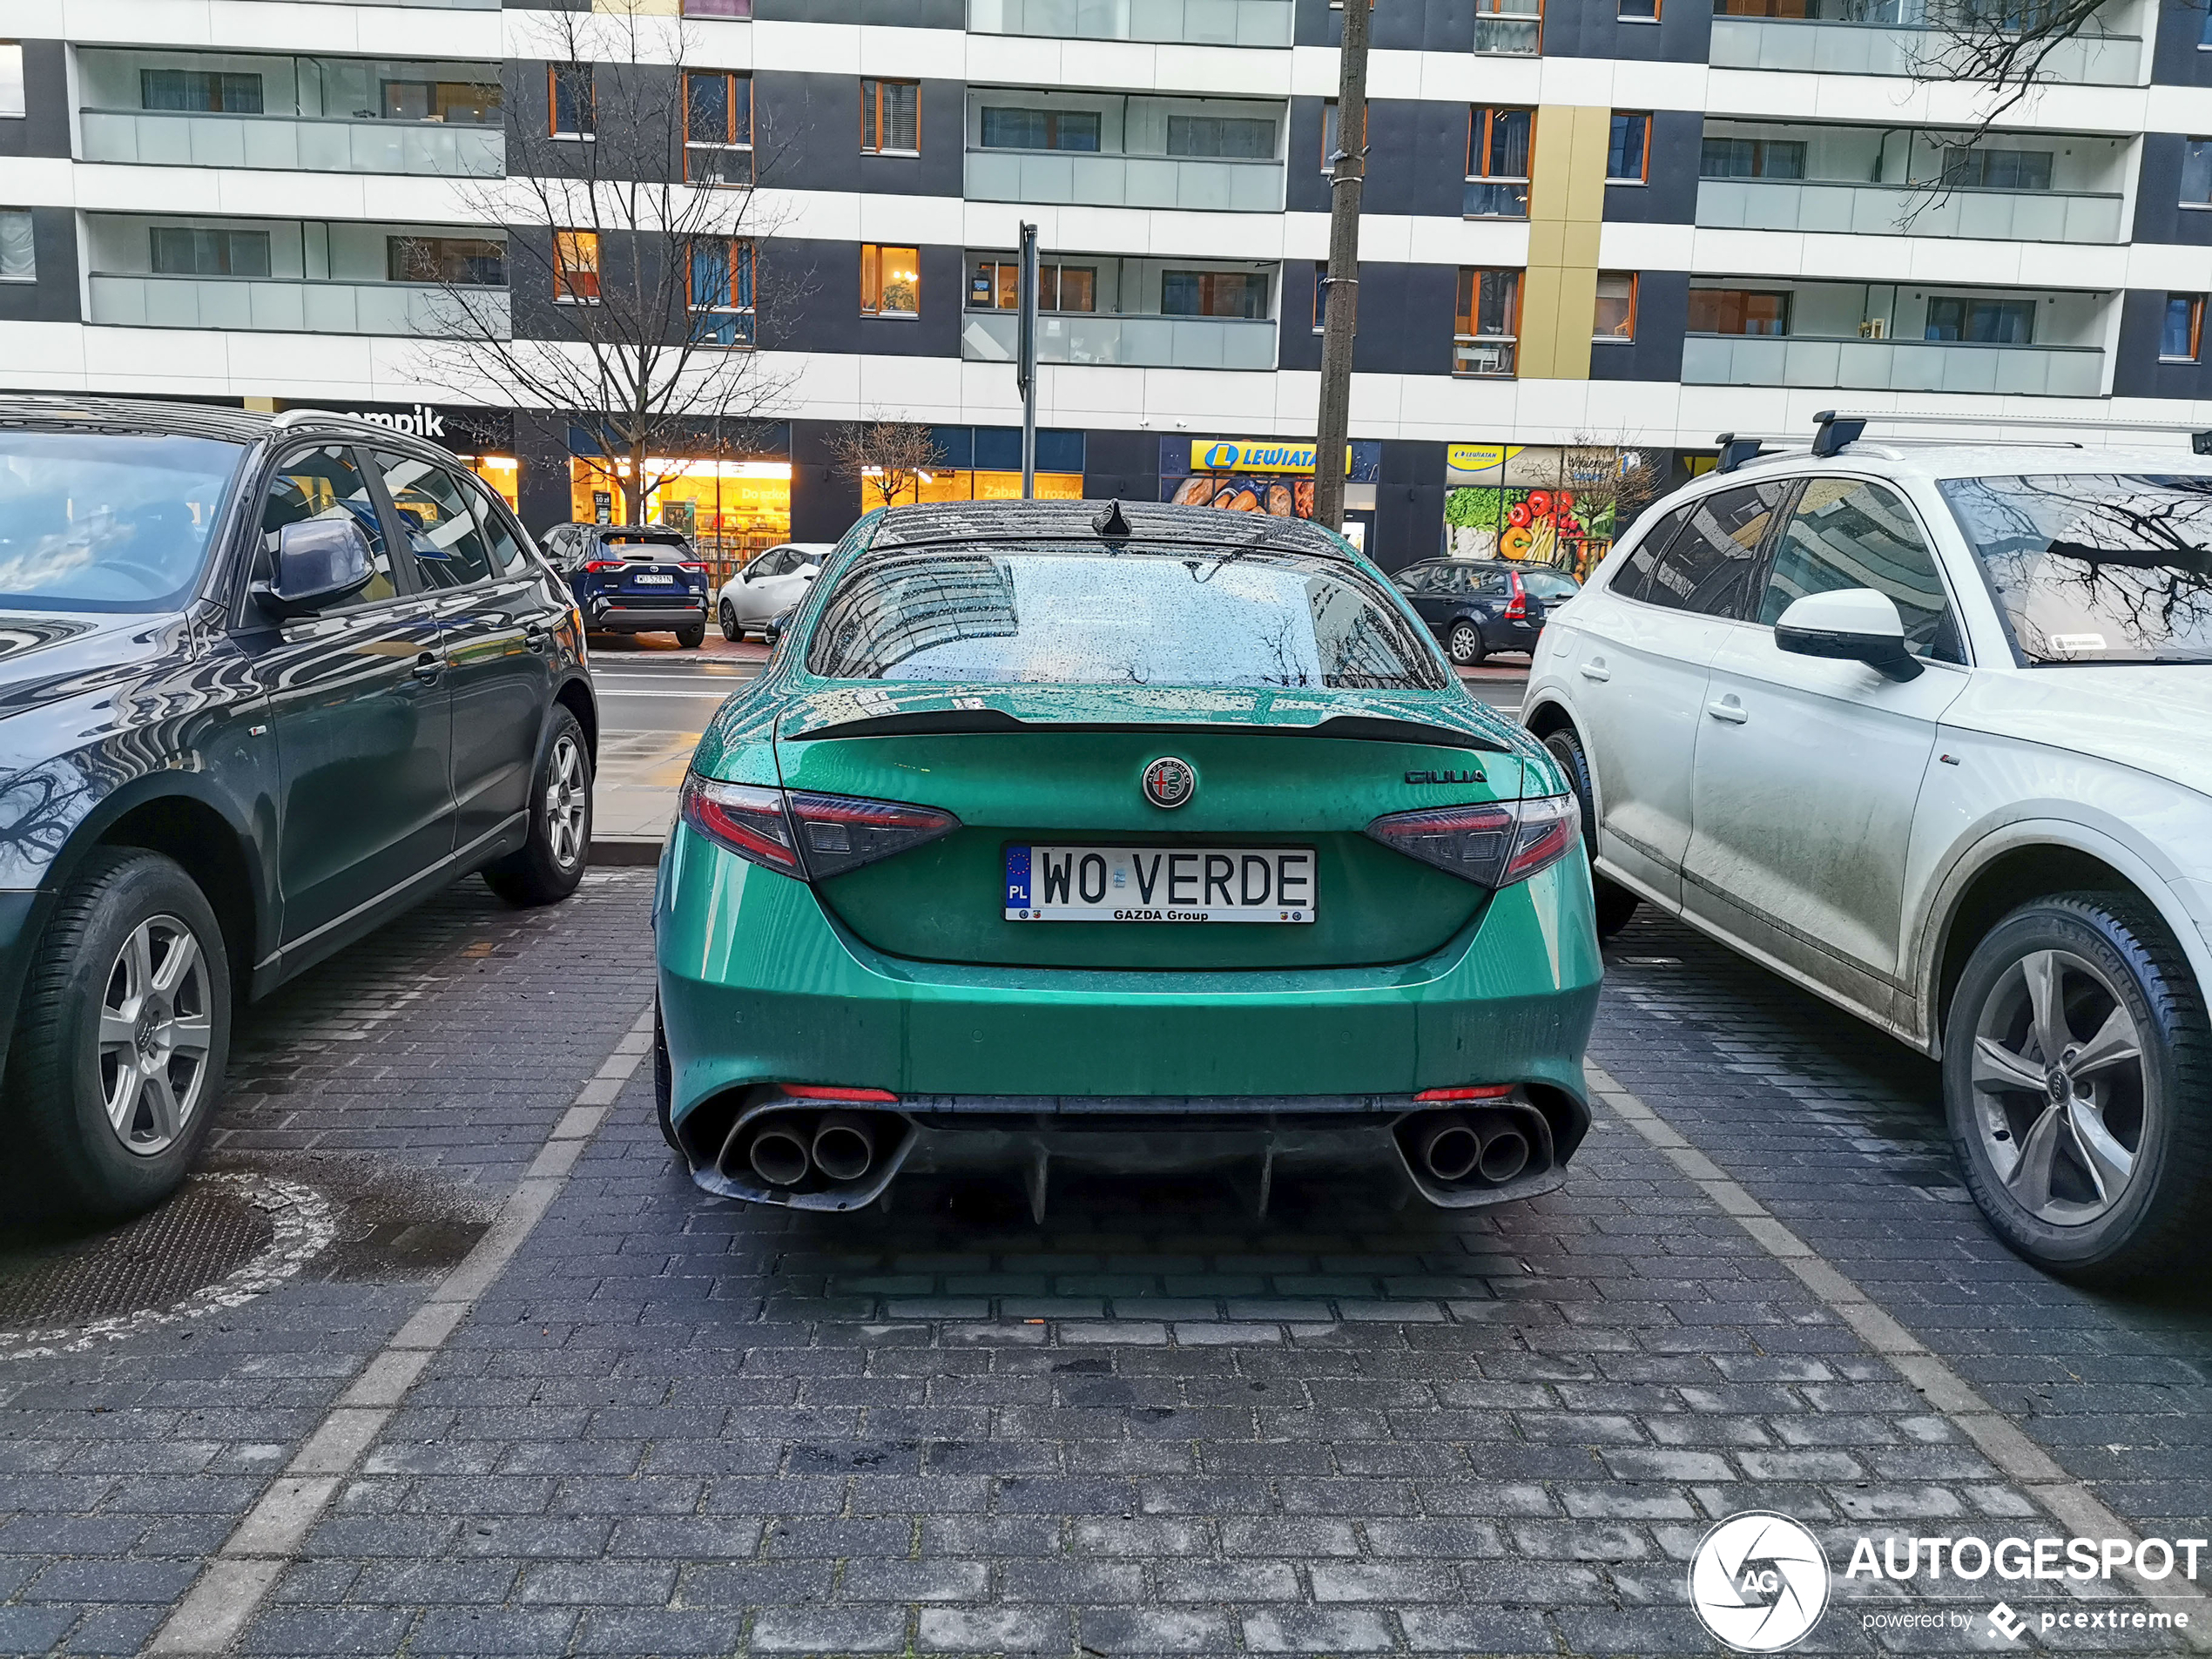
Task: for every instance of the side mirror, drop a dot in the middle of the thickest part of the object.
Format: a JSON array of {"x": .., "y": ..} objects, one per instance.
[
  {"x": 319, "y": 562},
  {"x": 1853, "y": 625}
]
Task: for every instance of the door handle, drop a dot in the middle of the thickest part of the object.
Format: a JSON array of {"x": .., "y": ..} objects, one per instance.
[
  {"x": 1730, "y": 710},
  {"x": 429, "y": 666},
  {"x": 535, "y": 636},
  {"x": 1596, "y": 670}
]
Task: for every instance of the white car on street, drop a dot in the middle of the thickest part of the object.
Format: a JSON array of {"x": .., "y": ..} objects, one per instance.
[
  {"x": 1923, "y": 726},
  {"x": 771, "y": 584}
]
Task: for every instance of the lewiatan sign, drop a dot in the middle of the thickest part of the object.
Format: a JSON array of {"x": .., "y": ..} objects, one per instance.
[{"x": 1255, "y": 455}]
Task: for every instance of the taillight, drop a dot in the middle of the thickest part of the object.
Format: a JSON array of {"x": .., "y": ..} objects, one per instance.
[
  {"x": 1516, "y": 607},
  {"x": 798, "y": 833},
  {"x": 685, "y": 565},
  {"x": 1492, "y": 845},
  {"x": 1484, "y": 1091},
  {"x": 824, "y": 1091},
  {"x": 602, "y": 564}
]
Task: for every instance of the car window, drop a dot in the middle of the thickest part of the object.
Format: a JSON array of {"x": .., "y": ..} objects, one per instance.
[
  {"x": 1844, "y": 533},
  {"x": 1166, "y": 614},
  {"x": 1489, "y": 583},
  {"x": 105, "y": 520},
  {"x": 448, "y": 547},
  {"x": 1418, "y": 578},
  {"x": 1546, "y": 586},
  {"x": 1707, "y": 569},
  {"x": 326, "y": 483},
  {"x": 1634, "y": 575},
  {"x": 769, "y": 564}
]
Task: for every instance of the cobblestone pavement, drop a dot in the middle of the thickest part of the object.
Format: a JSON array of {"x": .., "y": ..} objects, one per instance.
[{"x": 1152, "y": 1426}]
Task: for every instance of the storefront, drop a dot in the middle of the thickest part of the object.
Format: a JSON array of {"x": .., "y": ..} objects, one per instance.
[
  {"x": 1552, "y": 504},
  {"x": 1272, "y": 476},
  {"x": 972, "y": 463},
  {"x": 731, "y": 505},
  {"x": 482, "y": 438}
]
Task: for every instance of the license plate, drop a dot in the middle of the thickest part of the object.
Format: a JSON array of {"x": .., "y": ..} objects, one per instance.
[
  {"x": 654, "y": 581},
  {"x": 1159, "y": 883}
]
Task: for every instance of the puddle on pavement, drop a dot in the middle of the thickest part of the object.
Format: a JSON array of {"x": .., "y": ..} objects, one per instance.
[{"x": 391, "y": 1224}]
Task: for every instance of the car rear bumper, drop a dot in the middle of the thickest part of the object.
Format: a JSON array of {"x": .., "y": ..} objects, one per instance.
[
  {"x": 759, "y": 987},
  {"x": 609, "y": 617}
]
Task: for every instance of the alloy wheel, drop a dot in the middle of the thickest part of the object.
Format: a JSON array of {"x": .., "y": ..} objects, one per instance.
[
  {"x": 2063, "y": 1117},
  {"x": 155, "y": 1034},
  {"x": 566, "y": 796},
  {"x": 1466, "y": 644}
]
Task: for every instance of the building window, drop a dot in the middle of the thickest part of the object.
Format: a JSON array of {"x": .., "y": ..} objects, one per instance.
[
  {"x": 717, "y": 7},
  {"x": 200, "y": 90},
  {"x": 1639, "y": 12},
  {"x": 1628, "y": 148},
  {"x": 1617, "y": 306},
  {"x": 1213, "y": 293},
  {"x": 2177, "y": 341},
  {"x": 1332, "y": 124},
  {"x": 1990, "y": 322},
  {"x": 1965, "y": 169},
  {"x": 720, "y": 291},
  {"x": 575, "y": 267},
  {"x": 467, "y": 103},
  {"x": 1228, "y": 137},
  {"x": 2196, "y": 171},
  {"x": 1739, "y": 311},
  {"x": 1486, "y": 325},
  {"x": 1751, "y": 158},
  {"x": 995, "y": 285},
  {"x": 453, "y": 261},
  {"x": 1516, "y": 27},
  {"x": 573, "y": 96},
  {"x": 1498, "y": 145},
  {"x": 10, "y": 79},
  {"x": 183, "y": 251},
  {"x": 18, "y": 256},
  {"x": 891, "y": 117},
  {"x": 717, "y": 128},
  {"x": 890, "y": 281},
  {"x": 1005, "y": 129}
]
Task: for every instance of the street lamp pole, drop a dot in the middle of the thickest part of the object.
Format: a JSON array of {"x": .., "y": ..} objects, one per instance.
[
  {"x": 1025, "y": 369},
  {"x": 1340, "y": 317}
]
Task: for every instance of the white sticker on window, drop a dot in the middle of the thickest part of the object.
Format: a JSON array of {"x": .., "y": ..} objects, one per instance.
[{"x": 2077, "y": 641}]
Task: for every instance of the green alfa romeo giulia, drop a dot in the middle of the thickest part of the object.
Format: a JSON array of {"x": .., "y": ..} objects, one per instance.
[{"x": 1140, "y": 838}]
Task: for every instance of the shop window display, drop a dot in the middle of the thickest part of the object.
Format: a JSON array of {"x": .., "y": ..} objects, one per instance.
[{"x": 731, "y": 509}]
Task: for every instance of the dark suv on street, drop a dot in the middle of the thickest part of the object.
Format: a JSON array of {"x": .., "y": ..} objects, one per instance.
[
  {"x": 633, "y": 579},
  {"x": 1476, "y": 606},
  {"x": 264, "y": 683}
]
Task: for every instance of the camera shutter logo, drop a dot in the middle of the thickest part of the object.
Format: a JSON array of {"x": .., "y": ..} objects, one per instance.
[
  {"x": 1170, "y": 782},
  {"x": 1759, "y": 1583}
]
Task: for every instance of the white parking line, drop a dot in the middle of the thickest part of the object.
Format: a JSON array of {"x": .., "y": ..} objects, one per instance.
[{"x": 224, "y": 1600}]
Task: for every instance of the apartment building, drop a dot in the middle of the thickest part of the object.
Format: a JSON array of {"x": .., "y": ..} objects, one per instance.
[{"x": 1589, "y": 223}]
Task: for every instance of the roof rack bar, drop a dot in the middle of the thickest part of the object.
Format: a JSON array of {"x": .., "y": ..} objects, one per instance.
[
  {"x": 1738, "y": 448},
  {"x": 1836, "y": 421}
]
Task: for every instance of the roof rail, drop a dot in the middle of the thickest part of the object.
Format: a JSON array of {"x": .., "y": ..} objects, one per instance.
[
  {"x": 1834, "y": 429},
  {"x": 1737, "y": 449}
]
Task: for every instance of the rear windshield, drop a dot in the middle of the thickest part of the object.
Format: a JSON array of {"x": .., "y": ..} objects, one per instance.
[
  {"x": 1077, "y": 616},
  {"x": 2095, "y": 568},
  {"x": 1546, "y": 586},
  {"x": 101, "y": 520}
]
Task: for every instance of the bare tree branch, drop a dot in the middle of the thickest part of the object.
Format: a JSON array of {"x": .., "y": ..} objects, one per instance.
[{"x": 886, "y": 456}]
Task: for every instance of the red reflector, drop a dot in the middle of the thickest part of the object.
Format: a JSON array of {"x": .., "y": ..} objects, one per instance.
[
  {"x": 1487, "y": 1091},
  {"x": 823, "y": 1091},
  {"x": 602, "y": 564}
]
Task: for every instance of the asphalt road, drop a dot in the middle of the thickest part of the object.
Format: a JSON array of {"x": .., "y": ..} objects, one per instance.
[{"x": 649, "y": 685}]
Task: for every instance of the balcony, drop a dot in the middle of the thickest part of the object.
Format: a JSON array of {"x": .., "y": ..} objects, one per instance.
[
  {"x": 1841, "y": 48},
  {"x": 1892, "y": 365},
  {"x": 1898, "y": 209},
  {"x": 1189, "y": 22},
  {"x": 1127, "y": 342},
  {"x": 1212, "y": 184},
  {"x": 291, "y": 305},
  {"x": 294, "y": 144}
]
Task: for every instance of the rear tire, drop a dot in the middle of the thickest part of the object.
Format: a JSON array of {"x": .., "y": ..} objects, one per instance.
[
  {"x": 1615, "y": 904},
  {"x": 552, "y": 862},
  {"x": 2093, "y": 1162},
  {"x": 730, "y": 630},
  {"x": 692, "y": 637},
  {"x": 104, "y": 1129},
  {"x": 1464, "y": 644}
]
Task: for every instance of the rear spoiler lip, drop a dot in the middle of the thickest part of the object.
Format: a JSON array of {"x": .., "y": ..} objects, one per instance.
[{"x": 951, "y": 722}]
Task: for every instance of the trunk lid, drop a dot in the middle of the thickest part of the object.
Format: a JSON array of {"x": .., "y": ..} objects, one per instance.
[{"x": 1045, "y": 766}]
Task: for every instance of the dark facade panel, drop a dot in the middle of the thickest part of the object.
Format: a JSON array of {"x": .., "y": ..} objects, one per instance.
[
  {"x": 1669, "y": 194},
  {"x": 1405, "y": 318},
  {"x": 823, "y": 314},
  {"x": 53, "y": 297},
  {"x": 806, "y": 136},
  {"x": 1409, "y": 504},
  {"x": 906, "y": 14},
  {"x": 636, "y": 135},
  {"x": 824, "y": 500},
  {"x": 2137, "y": 370},
  {"x": 2160, "y": 216},
  {"x": 1594, "y": 29},
  {"x": 1416, "y": 157},
  {"x": 1663, "y": 313},
  {"x": 1400, "y": 25},
  {"x": 1124, "y": 466},
  {"x": 42, "y": 129},
  {"x": 2178, "y": 54}
]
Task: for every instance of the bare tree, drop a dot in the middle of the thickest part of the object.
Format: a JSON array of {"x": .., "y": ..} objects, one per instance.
[
  {"x": 888, "y": 457},
  {"x": 637, "y": 254}
]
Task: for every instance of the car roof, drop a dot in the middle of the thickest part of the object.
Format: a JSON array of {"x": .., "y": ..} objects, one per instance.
[
  {"x": 1934, "y": 460},
  {"x": 1148, "y": 523}
]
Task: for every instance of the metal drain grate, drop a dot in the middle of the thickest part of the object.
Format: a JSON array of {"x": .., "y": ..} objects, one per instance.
[{"x": 209, "y": 1231}]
